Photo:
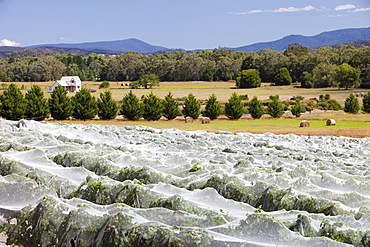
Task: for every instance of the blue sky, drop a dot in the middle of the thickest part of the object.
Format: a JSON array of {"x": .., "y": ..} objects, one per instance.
[{"x": 190, "y": 24}]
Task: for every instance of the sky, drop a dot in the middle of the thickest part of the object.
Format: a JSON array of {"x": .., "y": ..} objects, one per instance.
[{"x": 190, "y": 24}]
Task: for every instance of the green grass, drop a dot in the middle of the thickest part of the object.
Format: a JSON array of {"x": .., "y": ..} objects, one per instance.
[{"x": 317, "y": 121}]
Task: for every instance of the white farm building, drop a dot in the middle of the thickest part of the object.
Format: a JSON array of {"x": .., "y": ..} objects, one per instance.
[{"x": 70, "y": 83}]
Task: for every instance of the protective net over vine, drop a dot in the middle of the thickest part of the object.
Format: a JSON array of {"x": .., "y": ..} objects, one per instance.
[{"x": 76, "y": 185}]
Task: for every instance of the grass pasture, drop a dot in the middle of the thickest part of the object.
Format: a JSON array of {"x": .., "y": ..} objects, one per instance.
[{"x": 347, "y": 124}]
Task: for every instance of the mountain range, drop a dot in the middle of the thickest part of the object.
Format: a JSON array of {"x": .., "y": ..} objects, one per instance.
[
  {"x": 323, "y": 39},
  {"x": 331, "y": 38},
  {"x": 117, "y": 45}
]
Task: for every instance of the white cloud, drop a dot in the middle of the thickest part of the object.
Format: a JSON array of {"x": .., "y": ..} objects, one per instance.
[
  {"x": 337, "y": 15},
  {"x": 293, "y": 9},
  {"x": 64, "y": 38},
  {"x": 345, "y": 7},
  {"x": 248, "y": 12},
  {"x": 279, "y": 10},
  {"x": 6, "y": 42},
  {"x": 256, "y": 11},
  {"x": 362, "y": 9}
]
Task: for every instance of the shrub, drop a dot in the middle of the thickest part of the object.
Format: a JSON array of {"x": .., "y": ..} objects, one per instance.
[
  {"x": 334, "y": 105},
  {"x": 213, "y": 108},
  {"x": 351, "y": 105},
  {"x": 104, "y": 84},
  {"x": 171, "y": 107},
  {"x": 297, "y": 108},
  {"x": 234, "y": 108},
  {"x": 192, "y": 107}
]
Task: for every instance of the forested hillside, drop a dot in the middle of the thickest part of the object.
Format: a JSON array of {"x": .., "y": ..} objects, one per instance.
[{"x": 313, "y": 68}]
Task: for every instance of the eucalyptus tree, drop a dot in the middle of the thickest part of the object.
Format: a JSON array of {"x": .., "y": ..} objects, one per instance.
[
  {"x": 283, "y": 77},
  {"x": 249, "y": 78},
  {"x": 346, "y": 76}
]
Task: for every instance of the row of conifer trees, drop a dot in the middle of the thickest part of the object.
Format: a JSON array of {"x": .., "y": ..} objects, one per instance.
[
  {"x": 33, "y": 105},
  {"x": 14, "y": 105}
]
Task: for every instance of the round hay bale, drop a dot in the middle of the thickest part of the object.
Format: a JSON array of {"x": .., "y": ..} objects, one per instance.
[
  {"x": 189, "y": 120},
  {"x": 206, "y": 120},
  {"x": 330, "y": 122},
  {"x": 304, "y": 123}
]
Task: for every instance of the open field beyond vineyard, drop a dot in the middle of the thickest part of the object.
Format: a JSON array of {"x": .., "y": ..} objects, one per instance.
[{"x": 347, "y": 124}]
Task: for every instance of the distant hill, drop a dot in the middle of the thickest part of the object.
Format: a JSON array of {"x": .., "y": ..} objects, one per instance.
[
  {"x": 118, "y": 45},
  {"x": 322, "y": 39},
  {"x": 8, "y": 51},
  {"x": 359, "y": 36}
]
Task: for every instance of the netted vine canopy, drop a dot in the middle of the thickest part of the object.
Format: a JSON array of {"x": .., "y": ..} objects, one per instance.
[{"x": 76, "y": 185}]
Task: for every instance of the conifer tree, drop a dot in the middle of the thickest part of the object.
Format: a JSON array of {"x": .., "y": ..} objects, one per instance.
[
  {"x": 152, "y": 107},
  {"x": 255, "y": 108},
  {"x": 37, "y": 104},
  {"x": 192, "y": 107},
  {"x": 297, "y": 108},
  {"x": 171, "y": 107},
  {"x": 351, "y": 105},
  {"x": 275, "y": 109},
  {"x": 213, "y": 107},
  {"x": 366, "y": 103},
  {"x": 60, "y": 104},
  {"x": 13, "y": 103},
  {"x": 234, "y": 108},
  {"x": 107, "y": 107},
  {"x": 131, "y": 109},
  {"x": 85, "y": 105}
]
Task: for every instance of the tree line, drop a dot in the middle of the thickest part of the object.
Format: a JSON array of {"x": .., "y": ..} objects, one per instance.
[
  {"x": 313, "y": 68},
  {"x": 33, "y": 105}
]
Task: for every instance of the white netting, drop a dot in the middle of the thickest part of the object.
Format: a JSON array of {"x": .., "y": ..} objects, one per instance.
[{"x": 75, "y": 185}]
